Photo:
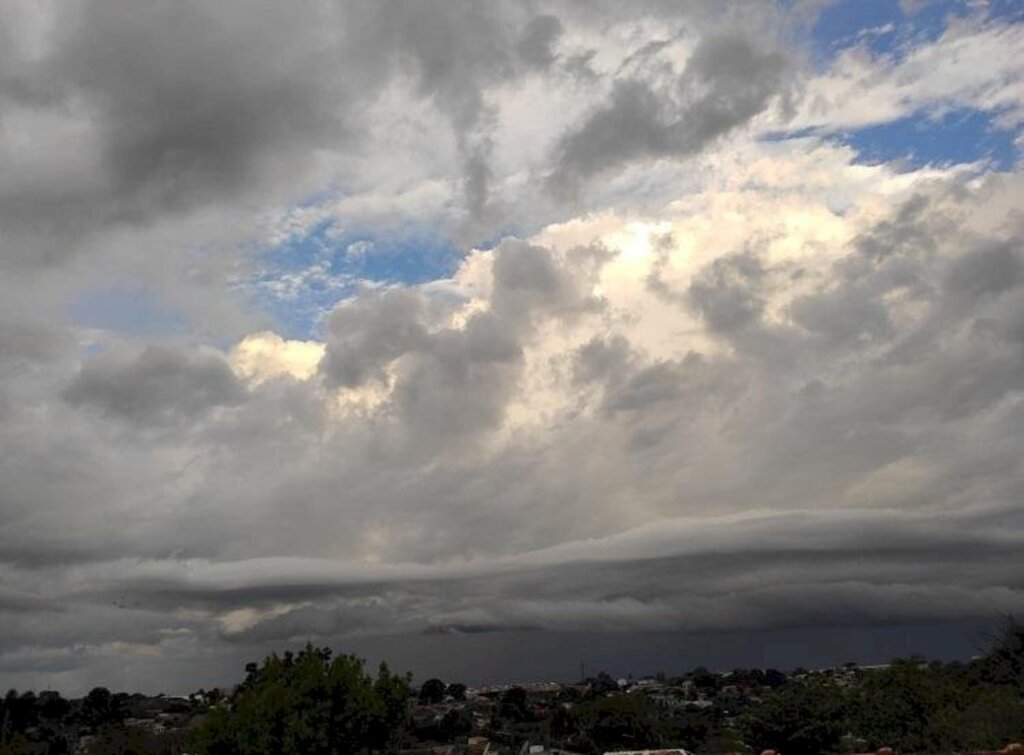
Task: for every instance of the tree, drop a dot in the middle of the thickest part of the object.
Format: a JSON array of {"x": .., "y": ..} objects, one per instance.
[
  {"x": 805, "y": 717},
  {"x": 1003, "y": 663},
  {"x": 432, "y": 692},
  {"x": 98, "y": 707},
  {"x": 603, "y": 685},
  {"x": 52, "y": 707},
  {"x": 309, "y": 704},
  {"x": 894, "y": 706},
  {"x": 513, "y": 705},
  {"x": 457, "y": 691},
  {"x": 454, "y": 724},
  {"x": 704, "y": 680},
  {"x": 611, "y": 723}
]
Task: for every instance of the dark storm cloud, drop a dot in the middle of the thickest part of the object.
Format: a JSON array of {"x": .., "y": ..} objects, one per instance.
[
  {"x": 743, "y": 518},
  {"x": 176, "y": 107},
  {"x": 727, "y": 81},
  {"x": 537, "y": 442},
  {"x": 141, "y": 114},
  {"x": 159, "y": 385},
  {"x": 745, "y": 572},
  {"x": 191, "y": 96},
  {"x": 187, "y": 104}
]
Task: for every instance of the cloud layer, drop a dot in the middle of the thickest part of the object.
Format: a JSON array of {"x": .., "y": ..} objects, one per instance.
[{"x": 697, "y": 366}]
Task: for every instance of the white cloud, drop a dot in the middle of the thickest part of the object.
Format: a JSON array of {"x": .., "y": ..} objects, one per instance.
[
  {"x": 728, "y": 383},
  {"x": 971, "y": 65},
  {"x": 264, "y": 356}
]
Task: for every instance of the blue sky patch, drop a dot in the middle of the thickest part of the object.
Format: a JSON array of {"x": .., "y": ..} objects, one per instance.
[
  {"x": 305, "y": 277},
  {"x": 882, "y": 26},
  {"x": 959, "y": 136}
]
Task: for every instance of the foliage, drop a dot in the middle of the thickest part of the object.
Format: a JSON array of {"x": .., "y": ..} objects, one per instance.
[
  {"x": 804, "y": 717},
  {"x": 432, "y": 692},
  {"x": 911, "y": 706},
  {"x": 309, "y": 704},
  {"x": 612, "y": 723},
  {"x": 313, "y": 704},
  {"x": 457, "y": 691},
  {"x": 513, "y": 705}
]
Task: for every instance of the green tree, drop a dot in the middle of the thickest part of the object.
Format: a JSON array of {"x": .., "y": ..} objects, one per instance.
[
  {"x": 432, "y": 692},
  {"x": 99, "y": 707},
  {"x": 805, "y": 717},
  {"x": 1003, "y": 663},
  {"x": 457, "y": 691},
  {"x": 611, "y": 723},
  {"x": 513, "y": 705},
  {"x": 897, "y": 706},
  {"x": 309, "y": 704}
]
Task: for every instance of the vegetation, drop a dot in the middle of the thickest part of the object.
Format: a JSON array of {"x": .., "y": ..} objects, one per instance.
[
  {"x": 312, "y": 703},
  {"x": 911, "y": 706}
]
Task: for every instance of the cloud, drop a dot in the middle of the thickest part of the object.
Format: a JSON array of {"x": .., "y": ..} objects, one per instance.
[
  {"x": 721, "y": 381},
  {"x": 726, "y": 82},
  {"x": 538, "y": 38},
  {"x": 158, "y": 385},
  {"x": 963, "y": 67},
  {"x": 265, "y": 356}
]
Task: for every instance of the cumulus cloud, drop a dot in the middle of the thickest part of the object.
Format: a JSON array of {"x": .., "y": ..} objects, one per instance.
[
  {"x": 736, "y": 382},
  {"x": 726, "y": 82},
  {"x": 158, "y": 385}
]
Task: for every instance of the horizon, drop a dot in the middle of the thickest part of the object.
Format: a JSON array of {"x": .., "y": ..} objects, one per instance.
[
  {"x": 623, "y": 656},
  {"x": 478, "y": 335}
]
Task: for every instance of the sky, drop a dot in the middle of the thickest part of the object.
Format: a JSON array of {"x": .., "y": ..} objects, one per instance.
[{"x": 496, "y": 338}]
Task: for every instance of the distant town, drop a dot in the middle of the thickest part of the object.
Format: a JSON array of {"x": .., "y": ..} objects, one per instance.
[{"x": 315, "y": 703}]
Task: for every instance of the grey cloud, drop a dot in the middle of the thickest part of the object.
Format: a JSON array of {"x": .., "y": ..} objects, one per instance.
[
  {"x": 520, "y": 267},
  {"x": 159, "y": 385},
  {"x": 991, "y": 270},
  {"x": 630, "y": 127},
  {"x": 366, "y": 335},
  {"x": 727, "y": 293},
  {"x": 537, "y": 40},
  {"x": 190, "y": 96},
  {"x": 543, "y": 534},
  {"x": 26, "y": 342},
  {"x": 694, "y": 574},
  {"x": 462, "y": 384},
  {"x": 454, "y": 51},
  {"x": 528, "y": 280},
  {"x": 174, "y": 109},
  {"x": 853, "y": 458},
  {"x": 649, "y": 386},
  {"x": 843, "y": 318},
  {"x": 603, "y": 360},
  {"x": 452, "y": 382},
  {"x": 733, "y": 81},
  {"x": 909, "y": 231},
  {"x": 186, "y": 104},
  {"x": 726, "y": 82}
]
